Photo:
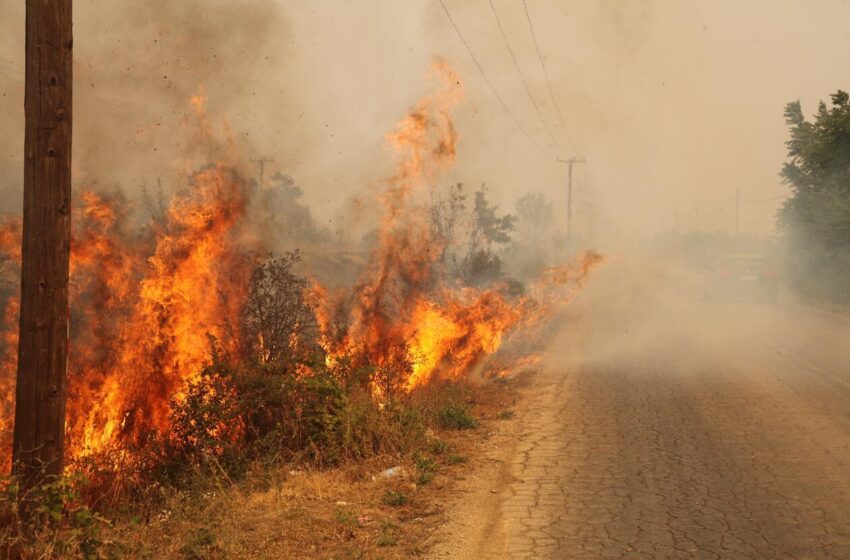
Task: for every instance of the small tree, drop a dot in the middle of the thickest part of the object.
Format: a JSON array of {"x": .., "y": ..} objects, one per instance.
[
  {"x": 278, "y": 325},
  {"x": 534, "y": 218},
  {"x": 481, "y": 264},
  {"x": 488, "y": 227},
  {"x": 447, "y": 214}
]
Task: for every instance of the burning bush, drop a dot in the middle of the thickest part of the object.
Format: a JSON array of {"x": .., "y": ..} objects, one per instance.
[
  {"x": 142, "y": 305},
  {"x": 272, "y": 415},
  {"x": 294, "y": 371},
  {"x": 278, "y": 325},
  {"x": 206, "y": 423}
]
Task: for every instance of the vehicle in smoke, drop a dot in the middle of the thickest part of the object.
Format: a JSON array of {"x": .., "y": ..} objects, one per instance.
[{"x": 740, "y": 277}]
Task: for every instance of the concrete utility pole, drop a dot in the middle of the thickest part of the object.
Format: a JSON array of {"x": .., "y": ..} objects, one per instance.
[
  {"x": 262, "y": 165},
  {"x": 38, "y": 443},
  {"x": 570, "y": 163}
]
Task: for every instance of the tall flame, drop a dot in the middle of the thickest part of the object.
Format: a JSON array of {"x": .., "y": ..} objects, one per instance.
[
  {"x": 141, "y": 321},
  {"x": 187, "y": 293},
  {"x": 146, "y": 306},
  {"x": 401, "y": 317}
]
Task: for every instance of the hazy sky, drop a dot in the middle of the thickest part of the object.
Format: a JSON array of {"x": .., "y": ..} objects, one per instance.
[{"x": 674, "y": 103}]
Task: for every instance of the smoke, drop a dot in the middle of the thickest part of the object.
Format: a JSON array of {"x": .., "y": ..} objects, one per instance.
[{"x": 675, "y": 105}]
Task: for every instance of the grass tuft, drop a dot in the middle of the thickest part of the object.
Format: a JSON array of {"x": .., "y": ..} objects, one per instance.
[
  {"x": 438, "y": 447},
  {"x": 455, "y": 459},
  {"x": 456, "y": 417},
  {"x": 395, "y": 499},
  {"x": 387, "y": 536}
]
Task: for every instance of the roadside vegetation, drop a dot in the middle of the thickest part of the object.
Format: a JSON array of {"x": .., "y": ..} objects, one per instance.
[
  {"x": 272, "y": 447},
  {"x": 357, "y": 481},
  {"x": 816, "y": 218}
]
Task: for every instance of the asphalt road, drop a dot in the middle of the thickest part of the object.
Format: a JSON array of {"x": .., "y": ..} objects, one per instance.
[{"x": 668, "y": 427}]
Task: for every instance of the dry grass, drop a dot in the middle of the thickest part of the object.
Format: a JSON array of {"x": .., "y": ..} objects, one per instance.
[{"x": 339, "y": 513}]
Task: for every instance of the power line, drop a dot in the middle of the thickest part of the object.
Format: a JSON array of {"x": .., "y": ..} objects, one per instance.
[
  {"x": 775, "y": 198},
  {"x": 748, "y": 201},
  {"x": 725, "y": 205},
  {"x": 546, "y": 75},
  {"x": 487, "y": 79},
  {"x": 521, "y": 75}
]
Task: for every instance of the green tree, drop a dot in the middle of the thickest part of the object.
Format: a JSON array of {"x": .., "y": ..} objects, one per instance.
[
  {"x": 534, "y": 218},
  {"x": 482, "y": 265},
  {"x": 488, "y": 227},
  {"x": 816, "y": 218},
  {"x": 447, "y": 214}
]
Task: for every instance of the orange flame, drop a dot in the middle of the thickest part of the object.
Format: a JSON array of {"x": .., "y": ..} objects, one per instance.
[
  {"x": 178, "y": 305},
  {"x": 141, "y": 326},
  {"x": 400, "y": 319},
  {"x": 144, "y": 307}
]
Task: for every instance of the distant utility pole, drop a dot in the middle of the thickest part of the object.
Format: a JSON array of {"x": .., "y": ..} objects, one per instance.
[
  {"x": 589, "y": 206},
  {"x": 262, "y": 165},
  {"x": 737, "y": 211},
  {"x": 38, "y": 442},
  {"x": 570, "y": 163}
]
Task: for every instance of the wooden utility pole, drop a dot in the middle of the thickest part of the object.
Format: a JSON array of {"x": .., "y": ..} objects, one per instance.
[
  {"x": 43, "y": 348},
  {"x": 570, "y": 163}
]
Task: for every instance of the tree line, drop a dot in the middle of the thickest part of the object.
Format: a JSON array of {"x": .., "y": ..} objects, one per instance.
[{"x": 816, "y": 217}]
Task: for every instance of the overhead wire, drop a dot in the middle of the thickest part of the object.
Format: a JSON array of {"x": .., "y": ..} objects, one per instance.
[
  {"x": 487, "y": 79},
  {"x": 521, "y": 75},
  {"x": 725, "y": 205},
  {"x": 548, "y": 81},
  {"x": 760, "y": 201},
  {"x": 746, "y": 201}
]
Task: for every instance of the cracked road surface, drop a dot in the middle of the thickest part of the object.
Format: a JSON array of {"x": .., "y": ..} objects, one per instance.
[{"x": 681, "y": 429}]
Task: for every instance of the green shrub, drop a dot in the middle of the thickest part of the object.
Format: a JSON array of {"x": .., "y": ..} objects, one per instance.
[
  {"x": 269, "y": 413},
  {"x": 206, "y": 422},
  {"x": 456, "y": 417},
  {"x": 56, "y": 523}
]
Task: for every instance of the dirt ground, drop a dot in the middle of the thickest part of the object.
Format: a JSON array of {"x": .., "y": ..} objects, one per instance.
[{"x": 663, "y": 426}]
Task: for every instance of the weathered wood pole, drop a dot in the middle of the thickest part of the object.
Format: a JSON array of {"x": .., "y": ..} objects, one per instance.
[{"x": 38, "y": 445}]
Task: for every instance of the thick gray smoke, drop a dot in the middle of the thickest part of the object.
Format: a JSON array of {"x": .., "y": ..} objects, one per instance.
[{"x": 674, "y": 104}]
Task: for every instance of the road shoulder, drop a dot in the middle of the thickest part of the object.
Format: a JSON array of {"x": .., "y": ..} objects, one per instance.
[{"x": 475, "y": 525}]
